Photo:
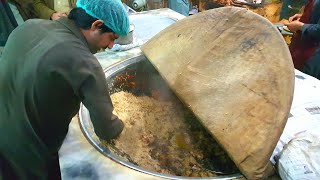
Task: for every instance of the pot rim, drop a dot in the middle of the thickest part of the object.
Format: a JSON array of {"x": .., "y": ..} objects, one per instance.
[{"x": 87, "y": 130}]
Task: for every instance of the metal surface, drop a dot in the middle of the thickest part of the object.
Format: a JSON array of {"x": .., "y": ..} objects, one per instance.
[
  {"x": 128, "y": 39},
  {"x": 148, "y": 25},
  {"x": 250, "y": 3},
  {"x": 282, "y": 28},
  {"x": 87, "y": 128}
]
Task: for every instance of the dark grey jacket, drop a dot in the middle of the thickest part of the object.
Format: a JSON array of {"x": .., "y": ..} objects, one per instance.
[{"x": 46, "y": 70}]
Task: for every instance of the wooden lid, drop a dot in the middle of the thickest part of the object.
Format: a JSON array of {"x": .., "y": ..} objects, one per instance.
[{"x": 232, "y": 68}]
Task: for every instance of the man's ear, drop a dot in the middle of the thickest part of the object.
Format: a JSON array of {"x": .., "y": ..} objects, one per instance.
[{"x": 96, "y": 25}]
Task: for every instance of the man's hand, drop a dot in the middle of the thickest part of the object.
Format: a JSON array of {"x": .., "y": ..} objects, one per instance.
[
  {"x": 295, "y": 17},
  {"x": 57, "y": 15},
  {"x": 295, "y": 26}
]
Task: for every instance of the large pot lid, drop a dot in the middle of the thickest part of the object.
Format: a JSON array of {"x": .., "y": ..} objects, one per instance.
[{"x": 232, "y": 68}]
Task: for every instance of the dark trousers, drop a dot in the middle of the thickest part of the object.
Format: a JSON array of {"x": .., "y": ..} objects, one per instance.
[
  {"x": 7, "y": 172},
  {"x": 54, "y": 169},
  {"x": 312, "y": 66}
]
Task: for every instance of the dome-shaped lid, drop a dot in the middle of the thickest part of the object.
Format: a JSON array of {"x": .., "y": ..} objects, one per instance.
[{"x": 232, "y": 68}]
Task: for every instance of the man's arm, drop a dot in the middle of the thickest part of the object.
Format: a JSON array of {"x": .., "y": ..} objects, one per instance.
[
  {"x": 95, "y": 96},
  {"x": 85, "y": 75},
  {"x": 311, "y": 31},
  {"x": 42, "y": 9}
]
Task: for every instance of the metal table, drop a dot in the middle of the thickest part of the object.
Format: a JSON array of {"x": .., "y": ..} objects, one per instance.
[{"x": 78, "y": 158}]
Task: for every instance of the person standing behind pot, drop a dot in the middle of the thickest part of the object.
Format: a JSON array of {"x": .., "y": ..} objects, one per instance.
[
  {"x": 306, "y": 39},
  {"x": 47, "y": 69},
  {"x": 180, "y": 6},
  {"x": 45, "y": 8}
]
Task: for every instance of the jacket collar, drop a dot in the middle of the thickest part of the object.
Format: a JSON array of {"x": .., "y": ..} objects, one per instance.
[{"x": 70, "y": 24}]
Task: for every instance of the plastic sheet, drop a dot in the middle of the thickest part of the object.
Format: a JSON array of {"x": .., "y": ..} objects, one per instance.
[{"x": 300, "y": 159}]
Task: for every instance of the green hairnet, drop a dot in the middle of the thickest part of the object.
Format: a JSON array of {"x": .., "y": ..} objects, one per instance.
[{"x": 111, "y": 12}]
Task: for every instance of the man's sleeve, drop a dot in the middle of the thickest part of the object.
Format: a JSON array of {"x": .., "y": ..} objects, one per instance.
[
  {"x": 94, "y": 95},
  {"x": 88, "y": 81},
  {"x": 42, "y": 10},
  {"x": 311, "y": 32}
]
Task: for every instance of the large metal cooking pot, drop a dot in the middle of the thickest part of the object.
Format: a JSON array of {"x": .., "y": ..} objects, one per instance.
[{"x": 125, "y": 69}]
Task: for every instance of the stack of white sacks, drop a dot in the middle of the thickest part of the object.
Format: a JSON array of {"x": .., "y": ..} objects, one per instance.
[{"x": 297, "y": 154}]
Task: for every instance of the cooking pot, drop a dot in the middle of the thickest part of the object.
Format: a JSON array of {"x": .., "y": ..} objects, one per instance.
[
  {"x": 128, "y": 39},
  {"x": 133, "y": 66}
]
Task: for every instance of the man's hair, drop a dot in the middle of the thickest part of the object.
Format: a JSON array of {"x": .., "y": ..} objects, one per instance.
[{"x": 84, "y": 20}]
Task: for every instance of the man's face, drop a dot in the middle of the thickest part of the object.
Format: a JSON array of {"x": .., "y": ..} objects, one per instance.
[
  {"x": 103, "y": 40},
  {"x": 99, "y": 39}
]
